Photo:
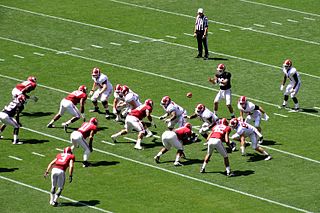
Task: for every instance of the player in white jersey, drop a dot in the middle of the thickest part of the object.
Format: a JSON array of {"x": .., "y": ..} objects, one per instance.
[
  {"x": 254, "y": 112},
  {"x": 101, "y": 89},
  {"x": 130, "y": 100},
  {"x": 293, "y": 87},
  {"x": 118, "y": 98},
  {"x": 244, "y": 130},
  {"x": 175, "y": 114},
  {"x": 208, "y": 118}
]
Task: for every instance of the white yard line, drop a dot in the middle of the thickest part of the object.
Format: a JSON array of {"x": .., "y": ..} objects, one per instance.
[
  {"x": 76, "y": 48},
  {"x": 281, "y": 8},
  {"x": 130, "y": 139},
  {"x": 259, "y": 25},
  {"x": 188, "y": 34},
  {"x": 160, "y": 40},
  {"x": 116, "y": 44},
  {"x": 277, "y": 23},
  {"x": 226, "y": 30},
  {"x": 106, "y": 142},
  {"x": 142, "y": 71},
  {"x": 316, "y": 107},
  {"x": 310, "y": 19},
  {"x": 96, "y": 46},
  {"x": 18, "y": 56},
  {"x": 169, "y": 36},
  {"x": 60, "y": 150},
  {"x": 39, "y": 54},
  {"x": 156, "y": 136},
  {"x": 15, "y": 158},
  {"x": 38, "y": 154},
  {"x": 285, "y": 116},
  {"x": 1, "y": 59},
  {"x": 47, "y": 192},
  {"x": 179, "y": 174},
  {"x": 134, "y": 41},
  {"x": 291, "y": 20}
]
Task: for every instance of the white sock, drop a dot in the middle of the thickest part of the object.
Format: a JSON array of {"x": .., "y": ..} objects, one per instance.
[
  {"x": 159, "y": 154},
  {"x": 117, "y": 134},
  {"x": 228, "y": 169},
  {"x": 242, "y": 149},
  {"x": 177, "y": 158},
  {"x": 138, "y": 143},
  {"x": 15, "y": 138},
  {"x": 204, "y": 165},
  {"x": 284, "y": 103}
]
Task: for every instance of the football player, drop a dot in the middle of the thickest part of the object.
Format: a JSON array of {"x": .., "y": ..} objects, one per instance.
[
  {"x": 134, "y": 122},
  {"x": 219, "y": 133},
  {"x": 14, "y": 108},
  {"x": 25, "y": 87},
  {"x": 293, "y": 87},
  {"x": 130, "y": 101},
  {"x": 223, "y": 79},
  {"x": 209, "y": 119},
  {"x": 78, "y": 137},
  {"x": 69, "y": 104},
  {"x": 254, "y": 112},
  {"x": 101, "y": 89},
  {"x": 244, "y": 130},
  {"x": 118, "y": 97},
  {"x": 175, "y": 114},
  {"x": 59, "y": 166},
  {"x": 176, "y": 138}
]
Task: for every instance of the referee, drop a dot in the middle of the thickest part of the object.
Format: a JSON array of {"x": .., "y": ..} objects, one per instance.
[{"x": 201, "y": 33}]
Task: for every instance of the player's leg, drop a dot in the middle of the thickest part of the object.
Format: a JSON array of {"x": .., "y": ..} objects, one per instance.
[
  {"x": 104, "y": 101},
  {"x": 228, "y": 102},
  {"x": 73, "y": 110},
  {"x": 216, "y": 101},
  {"x": 166, "y": 138},
  {"x": 62, "y": 109},
  {"x": 94, "y": 100}
]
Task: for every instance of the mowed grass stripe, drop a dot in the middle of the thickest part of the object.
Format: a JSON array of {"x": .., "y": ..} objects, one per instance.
[
  {"x": 148, "y": 38},
  {"x": 47, "y": 192},
  {"x": 175, "y": 173},
  {"x": 144, "y": 72}
]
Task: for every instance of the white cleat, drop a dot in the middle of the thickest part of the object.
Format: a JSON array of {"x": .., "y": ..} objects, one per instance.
[
  {"x": 149, "y": 135},
  {"x": 177, "y": 163},
  {"x": 113, "y": 138},
  {"x": 17, "y": 142},
  {"x": 138, "y": 147},
  {"x": 269, "y": 157}
]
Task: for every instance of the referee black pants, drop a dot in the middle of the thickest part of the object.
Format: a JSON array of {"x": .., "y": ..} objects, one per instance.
[{"x": 202, "y": 41}]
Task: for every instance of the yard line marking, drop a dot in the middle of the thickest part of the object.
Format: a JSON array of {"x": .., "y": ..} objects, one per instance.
[
  {"x": 311, "y": 19},
  {"x": 116, "y": 44},
  {"x": 285, "y": 116},
  {"x": 217, "y": 22},
  {"x": 47, "y": 192},
  {"x": 142, "y": 71},
  {"x": 211, "y": 33},
  {"x": 39, "y": 54},
  {"x": 156, "y": 136},
  {"x": 133, "y": 41},
  {"x": 103, "y": 141},
  {"x": 291, "y": 20},
  {"x": 1, "y": 59},
  {"x": 96, "y": 46},
  {"x": 179, "y": 174},
  {"x": 277, "y": 23},
  {"x": 188, "y": 34},
  {"x": 18, "y": 56},
  {"x": 281, "y": 8},
  {"x": 144, "y": 37},
  {"x": 224, "y": 29},
  {"x": 259, "y": 25},
  {"x": 130, "y": 139},
  {"x": 63, "y": 52},
  {"x": 61, "y": 150},
  {"x": 316, "y": 107},
  {"x": 169, "y": 36},
  {"x": 13, "y": 157},
  {"x": 35, "y": 153},
  {"x": 76, "y": 48}
]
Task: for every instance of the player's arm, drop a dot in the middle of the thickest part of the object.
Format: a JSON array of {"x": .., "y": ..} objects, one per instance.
[
  {"x": 213, "y": 80},
  {"x": 192, "y": 116},
  {"x": 284, "y": 80},
  {"x": 209, "y": 136},
  {"x": 71, "y": 166},
  {"x": 164, "y": 116},
  {"x": 82, "y": 102},
  {"x": 133, "y": 104},
  {"x": 242, "y": 140},
  {"x": 295, "y": 77},
  {"x": 173, "y": 115},
  {"x": 241, "y": 115},
  {"x": 91, "y": 139},
  {"x": 93, "y": 88},
  {"x": 49, "y": 167},
  {"x": 104, "y": 87},
  {"x": 227, "y": 140}
]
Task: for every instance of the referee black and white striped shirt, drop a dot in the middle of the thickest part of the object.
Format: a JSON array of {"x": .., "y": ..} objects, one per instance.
[{"x": 201, "y": 22}]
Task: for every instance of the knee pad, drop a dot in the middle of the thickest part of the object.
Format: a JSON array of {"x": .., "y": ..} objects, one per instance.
[
  {"x": 104, "y": 103},
  {"x": 53, "y": 190},
  {"x": 59, "y": 191}
]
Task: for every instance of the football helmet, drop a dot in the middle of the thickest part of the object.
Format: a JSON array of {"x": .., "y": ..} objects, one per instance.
[
  {"x": 83, "y": 88},
  {"x": 96, "y": 72},
  {"x": 149, "y": 102},
  {"x": 287, "y": 64},
  {"x": 165, "y": 101},
  {"x": 234, "y": 122},
  {"x": 188, "y": 125},
  {"x": 67, "y": 150},
  {"x": 32, "y": 79},
  {"x": 93, "y": 120},
  {"x": 224, "y": 121},
  {"x": 221, "y": 68},
  {"x": 21, "y": 98},
  {"x": 200, "y": 108},
  {"x": 118, "y": 88},
  {"x": 243, "y": 101},
  {"x": 125, "y": 90}
]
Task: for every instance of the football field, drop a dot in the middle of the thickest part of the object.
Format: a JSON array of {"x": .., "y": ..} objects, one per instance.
[{"x": 149, "y": 46}]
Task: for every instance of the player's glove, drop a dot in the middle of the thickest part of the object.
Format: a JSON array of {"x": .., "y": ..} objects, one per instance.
[
  {"x": 91, "y": 92},
  {"x": 70, "y": 178},
  {"x": 281, "y": 87},
  {"x": 45, "y": 174},
  {"x": 266, "y": 117},
  {"x": 162, "y": 117}
]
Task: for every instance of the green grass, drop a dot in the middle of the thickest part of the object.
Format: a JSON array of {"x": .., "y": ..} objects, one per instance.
[{"x": 126, "y": 180}]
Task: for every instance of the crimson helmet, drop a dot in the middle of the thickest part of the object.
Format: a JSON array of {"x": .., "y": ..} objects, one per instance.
[
  {"x": 149, "y": 102},
  {"x": 21, "y": 98},
  {"x": 83, "y": 88},
  {"x": 234, "y": 123},
  {"x": 165, "y": 101},
  {"x": 32, "y": 79},
  {"x": 224, "y": 121},
  {"x": 67, "y": 150},
  {"x": 125, "y": 89},
  {"x": 118, "y": 88},
  {"x": 188, "y": 125},
  {"x": 93, "y": 120},
  {"x": 221, "y": 68},
  {"x": 287, "y": 64},
  {"x": 200, "y": 108},
  {"x": 96, "y": 72}
]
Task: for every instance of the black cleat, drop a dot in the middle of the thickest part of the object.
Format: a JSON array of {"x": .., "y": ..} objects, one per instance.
[
  {"x": 50, "y": 126},
  {"x": 202, "y": 170},
  {"x": 96, "y": 109}
]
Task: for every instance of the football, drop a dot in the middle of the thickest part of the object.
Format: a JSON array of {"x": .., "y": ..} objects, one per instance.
[{"x": 189, "y": 95}]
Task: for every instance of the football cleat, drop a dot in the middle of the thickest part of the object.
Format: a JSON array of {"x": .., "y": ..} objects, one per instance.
[
  {"x": 107, "y": 116},
  {"x": 156, "y": 159},
  {"x": 1, "y": 137},
  {"x": 260, "y": 141},
  {"x": 150, "y": 134},
  {"x": 269, "y": 157},
  {"x": 85, "y": 164},
  {"x": 96, "y": 109},
  {"x": 65, "y": 126},
  {"x": 177, "y": 163},
  {"x": 229, "y": 174},
  {"x": 50, "y": 126},
  {"x": 139, "y": 147},
  {"x": 113, "y": 138},
  {"x": 202, "y": 170},
  {"x": 17, "y": 142}
]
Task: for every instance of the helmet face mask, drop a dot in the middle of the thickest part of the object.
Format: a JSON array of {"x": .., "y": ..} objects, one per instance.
[
  {"x": 149, "y": 102},
  {"x": 83, "y": 88},
  {"x": 243, "y": 101},
  {"x": 118, "y": 88},
  {"x": 95, "y": 72},
  {"x": 32, "y": 79},
  {"x": 67, "y": 150},
  {"x": 165, "y": 101},
  {"x": 234, "y": 123},
  {"x": 94, "y": 121},
  {"x": 287, "y": 64},
  {"x": 200, "y": 108},
  {"x": 125, "y": 90},
  {"x": 221, "y": 68}
]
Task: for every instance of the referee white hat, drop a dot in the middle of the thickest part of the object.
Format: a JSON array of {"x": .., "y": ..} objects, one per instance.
[{"x": 200, "y": 10}]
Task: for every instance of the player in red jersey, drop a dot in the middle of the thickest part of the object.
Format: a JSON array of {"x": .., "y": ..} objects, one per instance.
[
  {"x": 78, "y": 137},
  {"x": 25, "y": 87},
  {"x": 218, "y": 134},
  {"x": 69, "y": 104},
  {"x": 175, "y": 138},
  {"x": 59, "y": 166},
  {"x": 134, "y": 122}
]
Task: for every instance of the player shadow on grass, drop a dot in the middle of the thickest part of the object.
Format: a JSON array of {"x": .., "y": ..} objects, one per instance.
[
  {"x": 270, "y": 143},
  {"x": 81, "y": 203},
  {"x": 33, "y": 141},
  {"x": 36, "y": 114},
  {"x": 8, "y": 169},
  {"x": 152, "y": 145},
  {"x": 253, "y": 157},
  {"x": 236, "y": 173},
  {"x": 103, "y": 163},
  {"x": 217, "y": 59},
  {"x": 309, "y": 110}
]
